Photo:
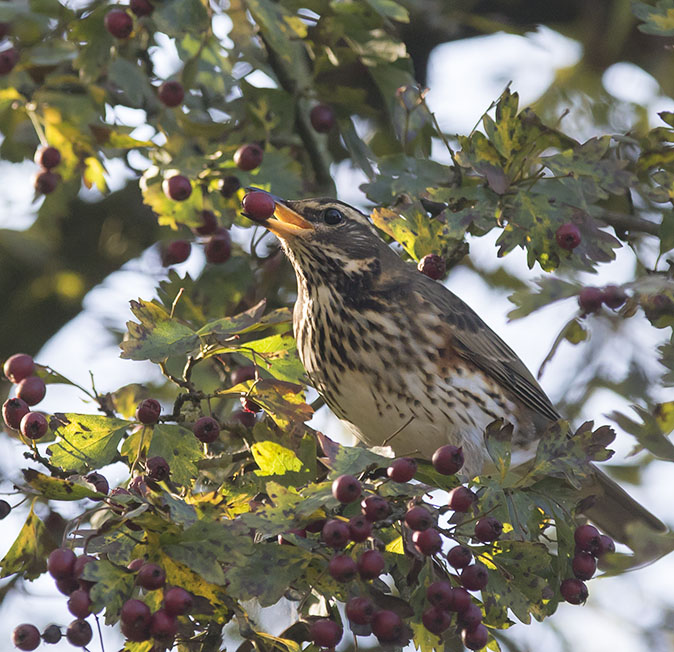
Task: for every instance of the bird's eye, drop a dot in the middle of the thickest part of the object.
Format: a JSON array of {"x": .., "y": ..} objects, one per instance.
[{"x": 332, "y": 216}]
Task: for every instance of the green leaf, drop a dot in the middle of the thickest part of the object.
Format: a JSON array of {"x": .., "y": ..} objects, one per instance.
[
  {"x": 132, "y": 81},
  {"x": 114, "y": 586},
  {"x": 117, "y": 544},
  {"x": 180, "y": 448},
  {"x": 28, "y": 554},
  {"x": 222, "y": 329},
  {"x": 390, "y": 9},
  {"x": 58, "y": 488},
  {"x": 497, "y": 438},
  {"x": 658, "y": 20},
  {"x": 274, "y": 459},
  {"x": 176, "y": 17},
  {"x": 277, "y": 354},
  {"x": 85, "y": 440},
  {"x": 549, "y": 290},
  {"x": 657, "y": 422},
  {"x": 351, "y": 460}
]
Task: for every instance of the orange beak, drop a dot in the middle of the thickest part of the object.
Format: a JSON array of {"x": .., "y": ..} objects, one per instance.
[{"x": 286, "y": 223}]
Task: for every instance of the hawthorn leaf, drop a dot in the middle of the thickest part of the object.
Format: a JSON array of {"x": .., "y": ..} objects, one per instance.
[
  {"x": 657, "y": 20},
  {"x": 277, "y": 354},
  {"x": 657, "y": 422},
  {"x": 117, "y": 544},
  {"x": 29, "y": 552},
  {"x": 180, "y": 448},
  {"x": 498, "y": 438},
  {"x": 549, "y": 290},
  {"x": 222, "y": 329},
  {"x": 350, "y": 460},
  {"x": 274, "y": 459},
  {"x": 114, "y": 586},
  {"x": 178, "y": 574},
  {"x": 58, "y": 488}
]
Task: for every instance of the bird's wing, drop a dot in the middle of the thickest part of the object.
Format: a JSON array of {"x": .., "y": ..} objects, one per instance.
[{"x": 474, "y": 341}]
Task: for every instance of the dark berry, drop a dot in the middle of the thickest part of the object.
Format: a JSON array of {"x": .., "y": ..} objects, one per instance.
[
  {"x": 135, "y": 613},
  {"x": 5, "y": 28},
  {"x": 206, "y": 430},
  {"x": 475, "y": 638},
  {"x": 31, "y": 390},
  {"x": 18, "y": 366},
  {"x": 448, "y": 459},
  {"x": 177, "y": 601},
  {"x": 48, "y": 157},
  {"x": 246, "y": 419},
  {"x": 360, "y": 528},
  {"x": 5, "y": 509},
  {"x": 461, "y": 601},
  {"x": 568, "y": 236},
  {"x": 171, "y": 93},
  {"x": 470, "y": 617},
  {"x": 13, "y": 410},
  {"x": 157, "y": 468},
  {"x": 297, "y": 531},
  {"x": 79, "y": 603},
  {"x": 137, "y": 633},
  {"x": 342, "y": 568},
  {"x": 475, "y": 577},
  {"x": 136, "y": 564},
  {"x": 148, "y": 411},
  {"x": 584, "y": 565},
  {"x": 163, "y": 625},
  {"x": 219, "y": 247},
  {"x": 440, "y": 594},
  {"x": 242, "y": 374},
  {"x": 151, "y": 577},
  {"x": 26, "y": 637},
  {"x": 141, "y": 7},
  {"x": 459, "y": 556},
  {"x": 46, "y": 182},
  {"x": 590, "y": 299},
  {"x": 209, "y": 223},
  {"x": 587, "y": 538},
  {"x": 138, "y": 486},
  {"x": 461, "y": 499},
  {"x": 433, "y": 266},
  {"x": 418, "y": 518},
  {"x": 248, "y": 157},
  {"x": 335, "y": 533},
  {"x": 606, "y": 544},
  {"x": 79, "y": 633},
  {"x": 574, "y": 591},
  {"x": 427, "y": 542},
  {"x": 176, "y": 252},
  {"x": 229, "y": 185},
  {"x": 322, "y": 118},
  {"x": 315, "y": 526},
  {"x": 8, "y": 59},
  {"x": 360, "y": 610},
  {"x": 346, "y": 489},
  {"x": 99, "y": 481},
  {"x": 52, "y": 634},
  {"x": 614, "y": 296},
  {"x": 67, "y": 585},
  {"x": 375, "y": 508},
  {"x": 488, "y": 529},
  {"x": 387, "y": 626},
  {"x": 258, "y": 206},
  {"x": 178, "y": 187},
  {"x": 371, "y": 564},
  {"x": 325, "y": 633},
  {"x": 61, "y": 563},
  {"x": 78, "y": 569},
  {"x": 402, "y": 469},
  {"x": 436, "y": 620},
  {"x": 118, "y": 23}
]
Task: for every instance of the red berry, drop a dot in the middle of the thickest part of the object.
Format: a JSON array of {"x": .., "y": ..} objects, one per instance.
[
  {"x": 141, "y": 7},
  {"x": 99, "y": 481},
  {"x": 584, "y": 565},
  {"x": 8, "y": 59},
  {"x": 418, "y": 518},
  {"x": 614, "y": 296},
  {"x": 246, "y": 419},
  {"x": 315, "y": 526},
  {"x": 46, "y": 182},
  {"x": 248, "y": 157},
  {"x": 78, "y": 568},
  {"x": 242, "y": 374},
  {"x": 176, "y": 252},
  {"x": 157, "y": 468},
  {"x": 335, "y": 533},
  {"x": 61, "y": 563},
  {"x": 346, "y": 489},
  {"x": 371, "y": 564},
  {"x": 606, "y": 544},
  {"x": 171, "y": 93},
  {"x": 402, "y": 469},
  {"x": 5, "y": 509},
  {"x": 433, "y": 266},
  {"x": 219, "y": 247},
  {"x": 568, "y": 236},
  {"x": 387, "y": 626},
  {"x": 258, "y": 206},
  {"x": 47, "y": 157},
  {"x": 461, "y": 601},
  {"x": 67, "y": 585},
  {"x": 163, "y": 625},
  {"x": 79, "y": 603},
  {"x": 436, "y": 620},
  {"x": 138, "y": 486},
  {"x": 135, "y": 564},
  {"x": 136, "y": 633},
  {"x": 209, "y": 223},
  {"x": 26, "y": 637},
  {"x": 13, "y": 410},
  {"x": 135, "y": 613},
  {"x": 459, "y": 556},
  {"x": 230, "y": 184},
  {"x": 118, "y": 23},
  {"x": 375, "y": 508},
  {"x": 488, "y": 529},
  {"x": 52, "y": 634},
  {"x": 79, "y": 633},
  {"x": 427, "y": 542},
  {"x": 18, "y": 366},
  {"x": 574, "y": 591},
  {"x": 448, "y": 459},
  {"x": 360, "y": 610},
  {"x": 440, "y": 594},
  {"x": 151, "y": 577},
  {"x": 148, "y": 411},
  {"x": 475, "y": 577},
  {"x": 325, "y": 633},
  {"x": 31, "y": 390},
  {"x": 342, "y": 568},
  {"x": 322, "y": 118},
  {"x": 470, "y": 617},
  {"x": 360, "y": 528},
  {"x": 590, "y": 299},
  {"x": 461, "y": 499},
  {"x": 475, "y": 638},
  {"x": 177, "y": 601},
  {"x": 297, "y": 531},
  {"x": 587, "y": 538},
  {"x": 178, "y": 187},
  {"x": 206, "y": 429}
]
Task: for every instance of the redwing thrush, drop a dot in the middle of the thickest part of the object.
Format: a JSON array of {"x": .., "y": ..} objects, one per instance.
[{"x": 403, "y": 361}]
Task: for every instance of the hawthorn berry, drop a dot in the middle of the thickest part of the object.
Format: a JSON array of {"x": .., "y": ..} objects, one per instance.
[
  {"x": 418, "y": 518},
  {"x": 175, "y": 252},
  {"x": 141, "y": 7},
  {"x": 587, "y": 538},
  {"x": 448, "y": 459},
  {"x": 206, "y": 430},
  {"x": 402, "y": 469},
  {"x": 375, "y": 508},
  {"x": 248, "y": 157},
  {"x": 219, "y": 247},
  {"x": 18, "y": 366},
  {"x": 209, "y": 223},
  {"x": 229, "y": 185},
  {"x": 322, "y": 118},
  {"x": 118, "y": 23},
  {"x": 177, "y": 601},
  {"x": 99, "y": 481},
  {"x": 606, "y": 544},
  {"x": 568, "y": 236},
  {"x": 78, "y": 568},
  {"x": 136, "y": 564},
  {"x": 148, "y": 411},
  {"x": 5, "y": 509},
  {"x": 135, "y": 613},
  {"x": 371, "y": 564},
  {"x": 474, "y": 577},
  {"x": 79, "y": 633},
  {"x": 433, "y": 266},
  {"x": 47, "y": 157},
  {"x": 584, "y": 565},
  {"x": 46, "y": 182},
  {"x": 475, "y": 638},
  {"x": 34, "y": 425},
  {"x": 157, "y": 468},
  {"x": 440, "y": 594},
  {"x": 138, "y": 486},
  {"x": 325, "y": 633},
  {"x": 26, "y": 636},
  {"x": 461, "y": 601},
  {"x": 346, "y": 489},
  {"x": 171, "y": 93},
  {"x": 178, "y": 187},
  {"x": 79, "y": 603},
  {"x": 13, "y": 410},
  {"x": 488, "y": 529},
  {"x": 242, "y": 374},
  {"x": 461, "y": 499},
  {"x": 359, "y": 528},
  {"x": 31, "y": 390},
  {"x": 61, "y": 563},
  {"x": 151, "y": 577},
  {"x": 360, "y": 610},
  {"x": 427, "y": 542},
  {"x": 335, "y": 533},
  {"x": 246, "y": 419},
  {"x": 470, "y": 617},
  {"x": 573, "y": 590},
  {"x": 8, "y": 59},
  {"x": 5, "y": 28},
  {"x": 67, "y": 585},
  {"x": 614, "y": 296},
  {"x": 342, "y": 568},
  {"x": 590, "y": 299},
  {"x": 258, "y": 206},
  {"x": 297, "y": 531},
  {"x": 459, "y": 556},
  {"x": 387, "y": 626},
  {"x": 436, "y": 620},
  {"x": 163, "y": 625},
  {"x": 136, "y": 633},
  {"x": 52, "y": 634}
]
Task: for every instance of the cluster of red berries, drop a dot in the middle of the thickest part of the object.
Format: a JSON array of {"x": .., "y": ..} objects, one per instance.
[
  {"x": 46, "y": 181},
  {"x": 591, "y": 299},
  {"x": 30, "y": 390}
]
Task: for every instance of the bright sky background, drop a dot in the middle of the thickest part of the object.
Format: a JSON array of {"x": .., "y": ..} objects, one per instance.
[{"x": 464, "y": 78}]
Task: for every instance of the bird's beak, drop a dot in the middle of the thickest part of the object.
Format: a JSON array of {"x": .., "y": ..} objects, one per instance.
[{"x": 286, "y": 223}]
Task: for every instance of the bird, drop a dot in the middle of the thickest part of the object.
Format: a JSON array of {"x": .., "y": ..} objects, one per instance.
[{"x": 404, "y": 362}]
